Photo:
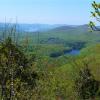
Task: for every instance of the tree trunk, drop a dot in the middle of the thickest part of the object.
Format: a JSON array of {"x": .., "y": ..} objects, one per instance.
[
  {"x": 4, "y": 95},
  {"x": 12, "y": 93}
]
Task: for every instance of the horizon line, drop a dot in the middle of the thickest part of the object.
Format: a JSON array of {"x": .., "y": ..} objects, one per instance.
[{"x": 40, "y": 23}]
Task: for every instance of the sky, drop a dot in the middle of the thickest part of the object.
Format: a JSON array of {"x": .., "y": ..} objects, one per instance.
[{"x": 71, "y": 12}]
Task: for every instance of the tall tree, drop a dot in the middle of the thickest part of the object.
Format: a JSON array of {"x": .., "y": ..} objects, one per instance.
[{"x": 14, "y": 66}]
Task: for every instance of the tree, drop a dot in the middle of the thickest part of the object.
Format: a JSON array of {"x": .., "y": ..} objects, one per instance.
[
  {"x": 96, "y": 15},
  {"x": 86, "y": 86},
  {"x": 15, "y": 71}
]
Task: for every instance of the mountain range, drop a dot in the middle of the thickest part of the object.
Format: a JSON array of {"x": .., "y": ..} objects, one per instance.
[{"x": 30, "y": 27}]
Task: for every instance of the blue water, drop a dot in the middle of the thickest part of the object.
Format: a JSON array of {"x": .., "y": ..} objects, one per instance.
[{"x": 74, "y": 52}]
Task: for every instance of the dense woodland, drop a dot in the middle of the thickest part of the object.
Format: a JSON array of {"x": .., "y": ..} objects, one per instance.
[{"x": 39, "y": 65}]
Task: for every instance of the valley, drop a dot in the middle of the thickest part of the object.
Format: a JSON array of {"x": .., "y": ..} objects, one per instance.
[{"x": 54, "y": 57}]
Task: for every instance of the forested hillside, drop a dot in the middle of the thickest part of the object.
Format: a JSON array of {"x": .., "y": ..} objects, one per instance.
[
  {"x": 50, "y": 61},
  {"x": 52, "y": 68}
]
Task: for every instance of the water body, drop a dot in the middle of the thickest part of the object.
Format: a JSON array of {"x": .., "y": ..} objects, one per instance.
[{"x": 72, "y": 52}]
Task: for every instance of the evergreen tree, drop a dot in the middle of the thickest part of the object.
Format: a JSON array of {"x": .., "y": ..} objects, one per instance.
[
  {"x": 15, "y": 71},
  {"x": 86, "y": 86}
]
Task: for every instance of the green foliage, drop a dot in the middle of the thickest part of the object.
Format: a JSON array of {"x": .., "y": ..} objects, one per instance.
[
  {"x": 16, "y": 74},
  {"x": 96, "y": 15},
  {"x": 86, "y": 86}
]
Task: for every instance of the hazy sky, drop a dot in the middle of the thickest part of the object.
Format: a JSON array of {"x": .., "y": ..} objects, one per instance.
[{"x": 46, "y": 11}]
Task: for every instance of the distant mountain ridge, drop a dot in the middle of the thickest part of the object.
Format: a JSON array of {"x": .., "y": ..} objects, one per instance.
[
  {"x": 42, "y": 27},
  {"x": 30, "y": 27},
  {"x": 71, "y": 28}
]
